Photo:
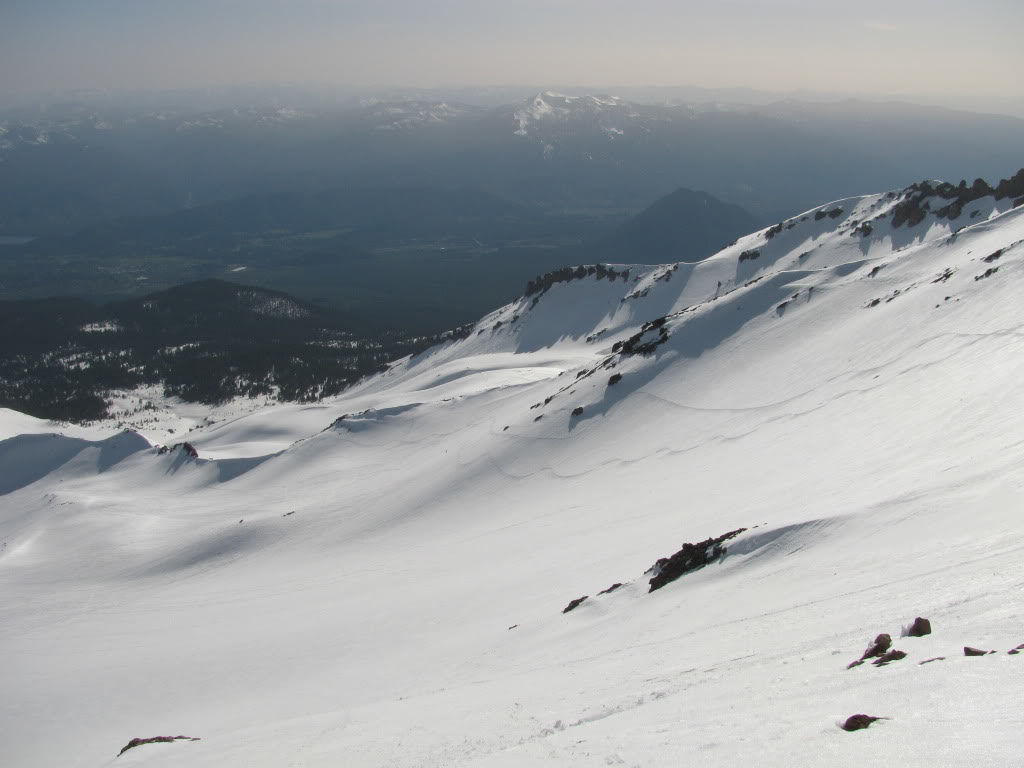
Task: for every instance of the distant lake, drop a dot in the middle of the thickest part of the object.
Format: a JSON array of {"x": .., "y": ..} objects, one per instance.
[{"x": 14, "y": 240}]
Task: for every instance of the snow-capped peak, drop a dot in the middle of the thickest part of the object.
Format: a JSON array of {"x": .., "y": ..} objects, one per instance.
[{"x": 550, "y": 109}]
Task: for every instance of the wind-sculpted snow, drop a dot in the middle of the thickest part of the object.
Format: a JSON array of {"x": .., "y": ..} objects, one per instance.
[
  {"x": 28, "y": 458},
  {"x": 379, "y": 579}
]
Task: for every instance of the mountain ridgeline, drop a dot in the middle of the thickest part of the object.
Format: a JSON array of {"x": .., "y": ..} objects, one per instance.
[
  {"x": 68, "y": 166},
  {"x": 457, "y": 203},
  {"x": 210, "y": 341}
]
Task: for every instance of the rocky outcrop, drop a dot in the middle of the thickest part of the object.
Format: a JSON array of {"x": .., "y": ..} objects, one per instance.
[
  {"x": 574, "y": 604},
  {"x": 643, "y": 342},
  {"x": 188, "y": 448},
  {"x": 877, "y": 649},
  {"x": 154, "y": 740},
  {"x": 539, "y": 285},
  {"x": 915, "y": 206},
  {"x": 690, "y": 558}
]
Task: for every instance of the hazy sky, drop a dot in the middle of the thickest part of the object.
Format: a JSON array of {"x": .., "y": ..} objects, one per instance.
[{"x": 958, "y": 53}]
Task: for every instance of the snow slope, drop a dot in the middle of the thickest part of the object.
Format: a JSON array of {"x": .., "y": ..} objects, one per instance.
[
  {"x": 13, "y": 423},
  {"x": 379, "y": 580}
]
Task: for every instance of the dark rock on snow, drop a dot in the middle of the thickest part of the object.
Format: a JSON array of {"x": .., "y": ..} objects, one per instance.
[
  {"x": 574, "y": 604},
  {"x": 859, "y": 722},
  {"x": 188, "y": 448},
  {"x": 987, "y": 273},
  {"x": 878, "y": 648},
  {"x": 153, "y": 740},
  {"x": 689, "y": 558},
  {"x": 540, "y": 285},
  {"x": 641, "y": 343},
  {"x": 969, "y": 651},
  {"x": 891, "y": 656},
  {"x": 920, "y": 628}
]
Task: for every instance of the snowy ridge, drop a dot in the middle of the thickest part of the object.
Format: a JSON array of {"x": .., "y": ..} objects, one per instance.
[
  {"x": 608, "y": 114},
  {"x": 380, "y": 579}
]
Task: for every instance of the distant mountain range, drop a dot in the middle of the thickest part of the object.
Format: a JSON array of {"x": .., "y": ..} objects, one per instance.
[{"x": 68, "y": 166}]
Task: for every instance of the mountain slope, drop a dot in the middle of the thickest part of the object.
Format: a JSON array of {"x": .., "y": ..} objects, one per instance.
[
  {"x": 380, "y": 579},
  {"x": 684, "y": 226}
]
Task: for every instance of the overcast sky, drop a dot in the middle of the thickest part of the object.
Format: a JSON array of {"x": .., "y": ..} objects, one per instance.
[{"x": 957, "y": 53}]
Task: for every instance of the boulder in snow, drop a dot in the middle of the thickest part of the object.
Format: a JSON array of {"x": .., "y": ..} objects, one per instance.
[
  {"x": 919, "y": 628},
  {"x": 889, "y": 657},
  {"x": 859, "y": 722},
  {"x": 969, "y": 651}
]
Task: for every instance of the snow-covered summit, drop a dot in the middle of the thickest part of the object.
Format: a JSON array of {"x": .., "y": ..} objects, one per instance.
[
  {"x": 394, "y": 577},
  {"x": 548, "y": 112}
]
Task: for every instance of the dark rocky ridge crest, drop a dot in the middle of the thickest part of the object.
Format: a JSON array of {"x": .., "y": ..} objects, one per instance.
[
  {"x": 913, "y": 209},
  {"x": 540, "y": 285}
]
